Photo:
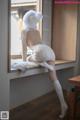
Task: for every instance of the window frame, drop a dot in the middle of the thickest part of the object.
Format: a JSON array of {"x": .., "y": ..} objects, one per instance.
[{"x": 13, "y": 74}]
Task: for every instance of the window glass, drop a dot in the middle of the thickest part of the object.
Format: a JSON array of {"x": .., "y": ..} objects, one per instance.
[{"x": 18, "y": 9}]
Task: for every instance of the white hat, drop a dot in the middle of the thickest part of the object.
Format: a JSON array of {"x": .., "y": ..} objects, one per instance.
[{"x": 31, "y": 18}]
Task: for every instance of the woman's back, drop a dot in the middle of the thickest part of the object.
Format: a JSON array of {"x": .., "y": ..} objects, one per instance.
[{"x": 31, "y": 37}]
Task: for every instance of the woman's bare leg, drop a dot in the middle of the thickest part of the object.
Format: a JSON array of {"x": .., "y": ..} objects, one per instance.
[{"x": 58, "y": 88}]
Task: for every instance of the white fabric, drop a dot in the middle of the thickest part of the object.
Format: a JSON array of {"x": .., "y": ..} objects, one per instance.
[
  {"x": 42, "y": 53},
  {"x": 23, "y": 65},
  {"x": 30, "y": 19}
]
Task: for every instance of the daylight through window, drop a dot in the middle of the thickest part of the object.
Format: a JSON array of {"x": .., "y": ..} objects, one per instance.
[{"x": 18, "y": 9}]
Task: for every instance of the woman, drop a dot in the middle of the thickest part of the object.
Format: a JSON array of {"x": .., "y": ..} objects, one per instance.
[{"x": 41, "y": 53}]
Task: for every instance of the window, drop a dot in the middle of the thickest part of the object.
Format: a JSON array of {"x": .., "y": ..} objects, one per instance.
[
  {"x": 17, "y": 10},
  {"x": 58, "y": 28}
]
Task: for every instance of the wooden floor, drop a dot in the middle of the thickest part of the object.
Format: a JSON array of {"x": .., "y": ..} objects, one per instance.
[{"x": 46, "y": 107}]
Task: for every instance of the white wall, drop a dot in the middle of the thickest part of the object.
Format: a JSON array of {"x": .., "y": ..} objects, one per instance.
[
  {"x": 4, "y": 81},
  {"x": 26, "y": 89},
  {"x": 47, "y": 7},
  {"x": 64, "y": 31}
]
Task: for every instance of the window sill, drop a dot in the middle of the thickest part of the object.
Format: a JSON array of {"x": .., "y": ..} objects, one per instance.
[{"x": 40, "y": 70}]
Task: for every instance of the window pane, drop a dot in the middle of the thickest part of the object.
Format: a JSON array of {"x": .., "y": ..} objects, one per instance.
[
  {"x": 15, "y": 34},
  {"x": 18, "y": 9}
]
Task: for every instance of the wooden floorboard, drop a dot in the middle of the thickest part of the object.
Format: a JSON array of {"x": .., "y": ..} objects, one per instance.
[{"x": 46, "y": 107}]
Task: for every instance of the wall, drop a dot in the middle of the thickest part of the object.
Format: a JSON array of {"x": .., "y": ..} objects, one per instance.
[
  {"x": 4, "y": 80},
  {"x": 46, "y": 9},
  {"x": 78, "y": 43},
  {"x": 26, "y": 89},
  {"x": 65, "y": 31}
]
